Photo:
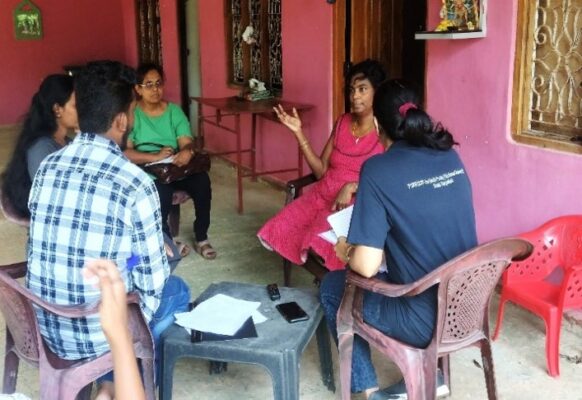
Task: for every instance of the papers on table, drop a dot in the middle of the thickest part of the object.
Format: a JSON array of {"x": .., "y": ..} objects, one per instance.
[
  {"x": 340, "y": 225},
  {"x": 220, "y": 314},
  {"x": 167, "y": 160}
]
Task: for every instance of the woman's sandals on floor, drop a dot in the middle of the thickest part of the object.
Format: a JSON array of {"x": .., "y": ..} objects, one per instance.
[
  {"x": 183, "y": 248},
  {"x": 205, "y": 250}
]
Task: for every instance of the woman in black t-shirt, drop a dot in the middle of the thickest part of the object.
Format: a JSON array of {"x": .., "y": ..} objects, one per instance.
[{"x": 414, "y": 204}]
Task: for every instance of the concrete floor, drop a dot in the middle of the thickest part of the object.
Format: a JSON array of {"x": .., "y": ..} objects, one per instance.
[{"x": 519, "y": 354}]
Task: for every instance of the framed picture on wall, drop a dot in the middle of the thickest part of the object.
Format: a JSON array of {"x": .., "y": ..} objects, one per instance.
[
  {"x": 27, "y": 21},
  {"x": 463, "y": 15}
]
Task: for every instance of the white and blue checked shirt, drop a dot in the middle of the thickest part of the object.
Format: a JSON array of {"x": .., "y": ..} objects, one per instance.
[{"x": 89, "y": 201}]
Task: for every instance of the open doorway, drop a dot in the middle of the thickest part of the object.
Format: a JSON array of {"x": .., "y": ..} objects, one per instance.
[
  {"x": 382, "y": 30},
  {"x": 189, "y": 45}
]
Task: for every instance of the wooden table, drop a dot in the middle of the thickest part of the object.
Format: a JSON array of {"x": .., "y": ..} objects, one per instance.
[{"x": 235, "y": 107}]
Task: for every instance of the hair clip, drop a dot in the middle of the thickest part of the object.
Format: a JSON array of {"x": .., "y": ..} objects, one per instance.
[{"x": 403, "y": 109}]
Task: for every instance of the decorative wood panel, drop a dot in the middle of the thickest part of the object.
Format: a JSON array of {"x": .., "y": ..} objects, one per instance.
[
  {"x": 149, "y": 38},
  {"x": 262, "y": 59},
  {"x": 547, "y": 101},
  {"x": 275, "y": 47},
  {"x": 238, "y": 73}
]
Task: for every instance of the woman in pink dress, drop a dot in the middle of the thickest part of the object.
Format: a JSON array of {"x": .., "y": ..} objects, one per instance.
[{"x": 295, "y": 229}]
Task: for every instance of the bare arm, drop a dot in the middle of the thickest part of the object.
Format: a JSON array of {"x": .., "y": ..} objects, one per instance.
[
  {"x": 344, "y": 197},
  {"x": 186, "y": 146},
  {"x": 318, "y": 164},
  {"x": 365, "y": 260},
  {"x": 139, "y": 157},
  {"x": 113, "y": 313}
]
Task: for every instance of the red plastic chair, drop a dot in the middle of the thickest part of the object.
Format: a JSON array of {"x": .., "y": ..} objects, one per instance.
[
  {"x": 466, "y": 285},
  {"x": 548, "y": 282},
  {"x": 62, "y": 379}
]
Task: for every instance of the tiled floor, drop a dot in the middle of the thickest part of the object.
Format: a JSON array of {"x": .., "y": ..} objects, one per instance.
[{"x": 519, "y": 354}]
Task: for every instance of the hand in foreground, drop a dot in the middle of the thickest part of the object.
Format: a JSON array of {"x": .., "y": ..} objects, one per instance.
[
  {"x": 293, "y": 122},
  {"x": 341, "y": 248},
  {"x": 182, "y": 158},
  {"x": 113, "y": 307},
  {"x": 344, "y": 197},
  {"x": 165, "y": 152}
]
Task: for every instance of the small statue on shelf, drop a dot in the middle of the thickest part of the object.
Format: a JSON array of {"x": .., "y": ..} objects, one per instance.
[
  {"x": 461, "y": 13},
  {"x": 255, "y": 91}
]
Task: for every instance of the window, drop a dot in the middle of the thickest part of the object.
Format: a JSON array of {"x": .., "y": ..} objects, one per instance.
[
  {"x": 547, "y": 95},
  {"x": 261, "y": 59}
]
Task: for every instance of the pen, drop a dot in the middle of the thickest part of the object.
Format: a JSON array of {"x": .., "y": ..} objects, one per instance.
[{"x": 131, "y": 262}]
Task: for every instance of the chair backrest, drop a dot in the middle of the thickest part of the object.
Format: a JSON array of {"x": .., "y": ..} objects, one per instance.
[
  {"x": 557, "y": 245},
  {"x": 20, "y": 318},
  {"x": 466, "y": 286}
]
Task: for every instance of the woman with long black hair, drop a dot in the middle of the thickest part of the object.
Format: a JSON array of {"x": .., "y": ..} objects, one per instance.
[{"x": 51, "y": 116}]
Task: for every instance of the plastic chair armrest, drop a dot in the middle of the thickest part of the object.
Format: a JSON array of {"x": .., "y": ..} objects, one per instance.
[
  {"x": 67, "y": 311},
  {"x": 519, "y": 248},
  {"x": 384, "y": 288}
]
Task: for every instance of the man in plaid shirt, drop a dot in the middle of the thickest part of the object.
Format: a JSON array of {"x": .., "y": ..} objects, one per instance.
[{"x": 88, "y": 201}]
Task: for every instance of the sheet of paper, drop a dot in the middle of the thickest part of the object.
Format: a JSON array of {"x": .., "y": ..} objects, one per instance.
[
  {"x": 340, "y": 224},
  {"x": 258, "y": 318},
  {"x": 220, "y": 314},
  {"x": 340, "y": 221},
  {"x": 167, "y": 160},
  {"x": 329, "y": 236}
]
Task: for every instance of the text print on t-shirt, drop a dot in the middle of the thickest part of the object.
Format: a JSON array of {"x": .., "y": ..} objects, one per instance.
[{"x": 437, "y": 182}]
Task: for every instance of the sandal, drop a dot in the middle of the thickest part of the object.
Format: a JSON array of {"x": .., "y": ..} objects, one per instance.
[
  {"x": 205, "y": 250},
  {"x": 183, "y": 249}
]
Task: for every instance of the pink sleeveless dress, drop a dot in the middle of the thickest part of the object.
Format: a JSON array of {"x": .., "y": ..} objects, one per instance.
[{"x": 295, "y": 229}]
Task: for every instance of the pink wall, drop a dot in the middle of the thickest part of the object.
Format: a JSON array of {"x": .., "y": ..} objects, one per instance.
[
  {"x": 469, "y": 85},
  {"x": 129, "y": 32},
  {"x": 72, "y": 35},
  {"x": 307, "y": 65}
]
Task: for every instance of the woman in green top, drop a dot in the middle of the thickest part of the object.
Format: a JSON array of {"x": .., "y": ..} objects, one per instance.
[{"x": 161, "y": 129}]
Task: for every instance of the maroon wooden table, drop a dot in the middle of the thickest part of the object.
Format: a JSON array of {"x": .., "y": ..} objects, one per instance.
[{"x": 235, "y": 107}]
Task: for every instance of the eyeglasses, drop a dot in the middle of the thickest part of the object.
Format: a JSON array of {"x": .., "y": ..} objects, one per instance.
[{"x": 151, "y": 85}]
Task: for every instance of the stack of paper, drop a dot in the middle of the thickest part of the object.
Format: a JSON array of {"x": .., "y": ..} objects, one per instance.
[
  {"x": 220, "y": 314},
  {"x": 340, "y": 225}
]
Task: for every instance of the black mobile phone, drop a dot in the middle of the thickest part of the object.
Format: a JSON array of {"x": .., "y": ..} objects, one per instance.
[{"x": 292, "y": 312}]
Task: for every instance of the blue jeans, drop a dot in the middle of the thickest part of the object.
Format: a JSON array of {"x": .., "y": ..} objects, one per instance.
[
  {"x": 408, "y": 319},
  {"x": 331, "y": 293},
  {"x": 175, "y": 299}
]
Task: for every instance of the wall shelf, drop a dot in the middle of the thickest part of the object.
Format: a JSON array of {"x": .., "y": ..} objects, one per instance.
[{"x": 431, "y": 35}]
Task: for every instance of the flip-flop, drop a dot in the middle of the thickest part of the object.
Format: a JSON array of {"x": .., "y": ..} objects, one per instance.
[
  {"x": 183, "y": 248},
  {"x": 205, "y": 250}
]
